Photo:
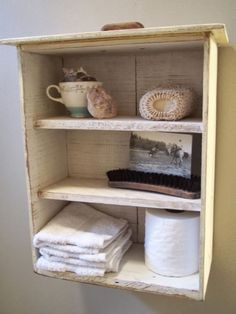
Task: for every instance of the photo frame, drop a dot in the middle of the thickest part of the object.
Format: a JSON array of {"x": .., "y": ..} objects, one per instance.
[{"x": 160, "y": 152}]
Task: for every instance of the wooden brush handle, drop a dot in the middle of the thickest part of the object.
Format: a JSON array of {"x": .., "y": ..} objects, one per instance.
[
  {"x": 154, "y": 188},
  {"x": 126, "y": 25}
]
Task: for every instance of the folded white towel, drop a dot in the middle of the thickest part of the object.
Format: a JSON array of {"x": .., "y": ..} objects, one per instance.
[
  {"x": 81, "y": 225},
  {"x": 114, "y": 263},
  {"x": 44, "y": 264},
  {"x": 72, "y": 261},
  {"x": 63, "y": 265},
  {"x": 116, "y": 248},
  {"x": 67, "y": 248},
  {"x": 102, "y": 255},
  {"x": 109, "y": 261}
]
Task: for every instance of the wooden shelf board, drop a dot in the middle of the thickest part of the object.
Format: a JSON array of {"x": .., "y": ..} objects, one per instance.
[
  {"x": 151, "y": 46},
  {"x": 98, "y": 191},
  {"x": 122, "y": 123},
  {"x": 134, "y": 275},
  {"x": 169, "y": 32}
]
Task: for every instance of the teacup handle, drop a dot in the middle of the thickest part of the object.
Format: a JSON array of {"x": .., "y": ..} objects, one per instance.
[{"x": 54, "y": 98}]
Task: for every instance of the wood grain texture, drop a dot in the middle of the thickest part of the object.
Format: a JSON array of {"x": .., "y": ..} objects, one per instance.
[
  {"x": 208, "y": 159},
  {"x": 172, "y": 32},
  {"x": 171, "y": 67},
  {"x": 45, "y": 152},
  {"x": 154, "y": 188},
  {"x": 91, "y": 154},
  {"x": 39, "y": 72},
  {"x": 126, "y": 212},
  {"x": 135, "y": 276},
  {"x": 114, "y": 47},
  {"x": 70, "y": 165},
  {"x": 121, "y": 123},
  {"x": 98, "y": 191},
  {"x": 141, "y": 224},
  {"x": 125, "y": 25},
  {"x": 116, "y": 72}
]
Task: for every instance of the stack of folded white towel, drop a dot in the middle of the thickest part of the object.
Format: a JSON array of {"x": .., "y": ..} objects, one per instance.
[{"x": 82, "y": 240}]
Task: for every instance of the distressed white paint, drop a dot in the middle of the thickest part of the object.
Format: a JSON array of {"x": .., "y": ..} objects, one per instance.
[
  {"x": 91, "y": 154},
  {"x": 172, "y": 33},
  {"x": 208, "y": 157},
  {"x": 52, "y": 155},
  {"x": 97, "y": 191},
  {"x": 134, "y": 275},
  {"x": 121, "y": 123}
]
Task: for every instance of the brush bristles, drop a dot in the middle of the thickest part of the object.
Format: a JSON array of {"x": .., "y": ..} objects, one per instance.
[{"x": 192, "y": 184}]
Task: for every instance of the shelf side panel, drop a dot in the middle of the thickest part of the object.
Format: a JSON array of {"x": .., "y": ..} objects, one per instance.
[
  {"x": 45, "y": 151},
  {"x": 208, "y": 157}
]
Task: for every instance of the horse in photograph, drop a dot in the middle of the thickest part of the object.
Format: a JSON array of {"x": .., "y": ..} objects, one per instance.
[
  {"x": 153, "y": 151},
  {"x": 178, "y": 155}
]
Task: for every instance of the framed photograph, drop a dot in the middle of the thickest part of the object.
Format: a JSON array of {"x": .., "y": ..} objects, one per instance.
[{"x": 160, "y": 152}]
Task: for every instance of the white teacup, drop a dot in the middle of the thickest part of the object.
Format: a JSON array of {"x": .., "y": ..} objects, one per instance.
[{"x": 74, "y": 96}]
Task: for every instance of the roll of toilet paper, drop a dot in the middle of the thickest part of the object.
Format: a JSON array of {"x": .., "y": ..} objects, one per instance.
[{"x": 172, "y": 242}]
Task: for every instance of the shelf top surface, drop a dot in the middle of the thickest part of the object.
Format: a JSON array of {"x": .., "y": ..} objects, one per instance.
[
  {"x": 134, "y": 275},
  {"x": 98, "y": 191},
  {"x": 173, "y": 32},
  {"x": 121, "y": 123}
]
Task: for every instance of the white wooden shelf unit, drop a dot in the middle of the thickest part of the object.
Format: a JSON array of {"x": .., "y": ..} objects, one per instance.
[{"x": 67, "y": 158}]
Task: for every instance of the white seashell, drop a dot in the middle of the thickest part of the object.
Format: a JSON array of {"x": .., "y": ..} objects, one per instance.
[
  {"x": 170, "y": 102},
  {"x": 100, "y": 103}
]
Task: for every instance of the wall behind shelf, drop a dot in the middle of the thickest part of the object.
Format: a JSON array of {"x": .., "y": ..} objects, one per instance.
[{"x": 21, "y": 291}]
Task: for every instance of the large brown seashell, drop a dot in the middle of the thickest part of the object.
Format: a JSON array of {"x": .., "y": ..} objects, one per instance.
[
  {"x": 100, "y": 103},
  {"x": 170, "y": 102}
]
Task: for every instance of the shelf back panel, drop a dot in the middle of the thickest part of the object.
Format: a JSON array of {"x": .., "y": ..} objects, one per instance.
[
  {"x": 91, "y": 154},
  {"x": 127, "y": 77}
]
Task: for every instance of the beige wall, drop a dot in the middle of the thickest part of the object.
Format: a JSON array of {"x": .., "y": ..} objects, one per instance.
[{"x": 21, "y": 291}]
